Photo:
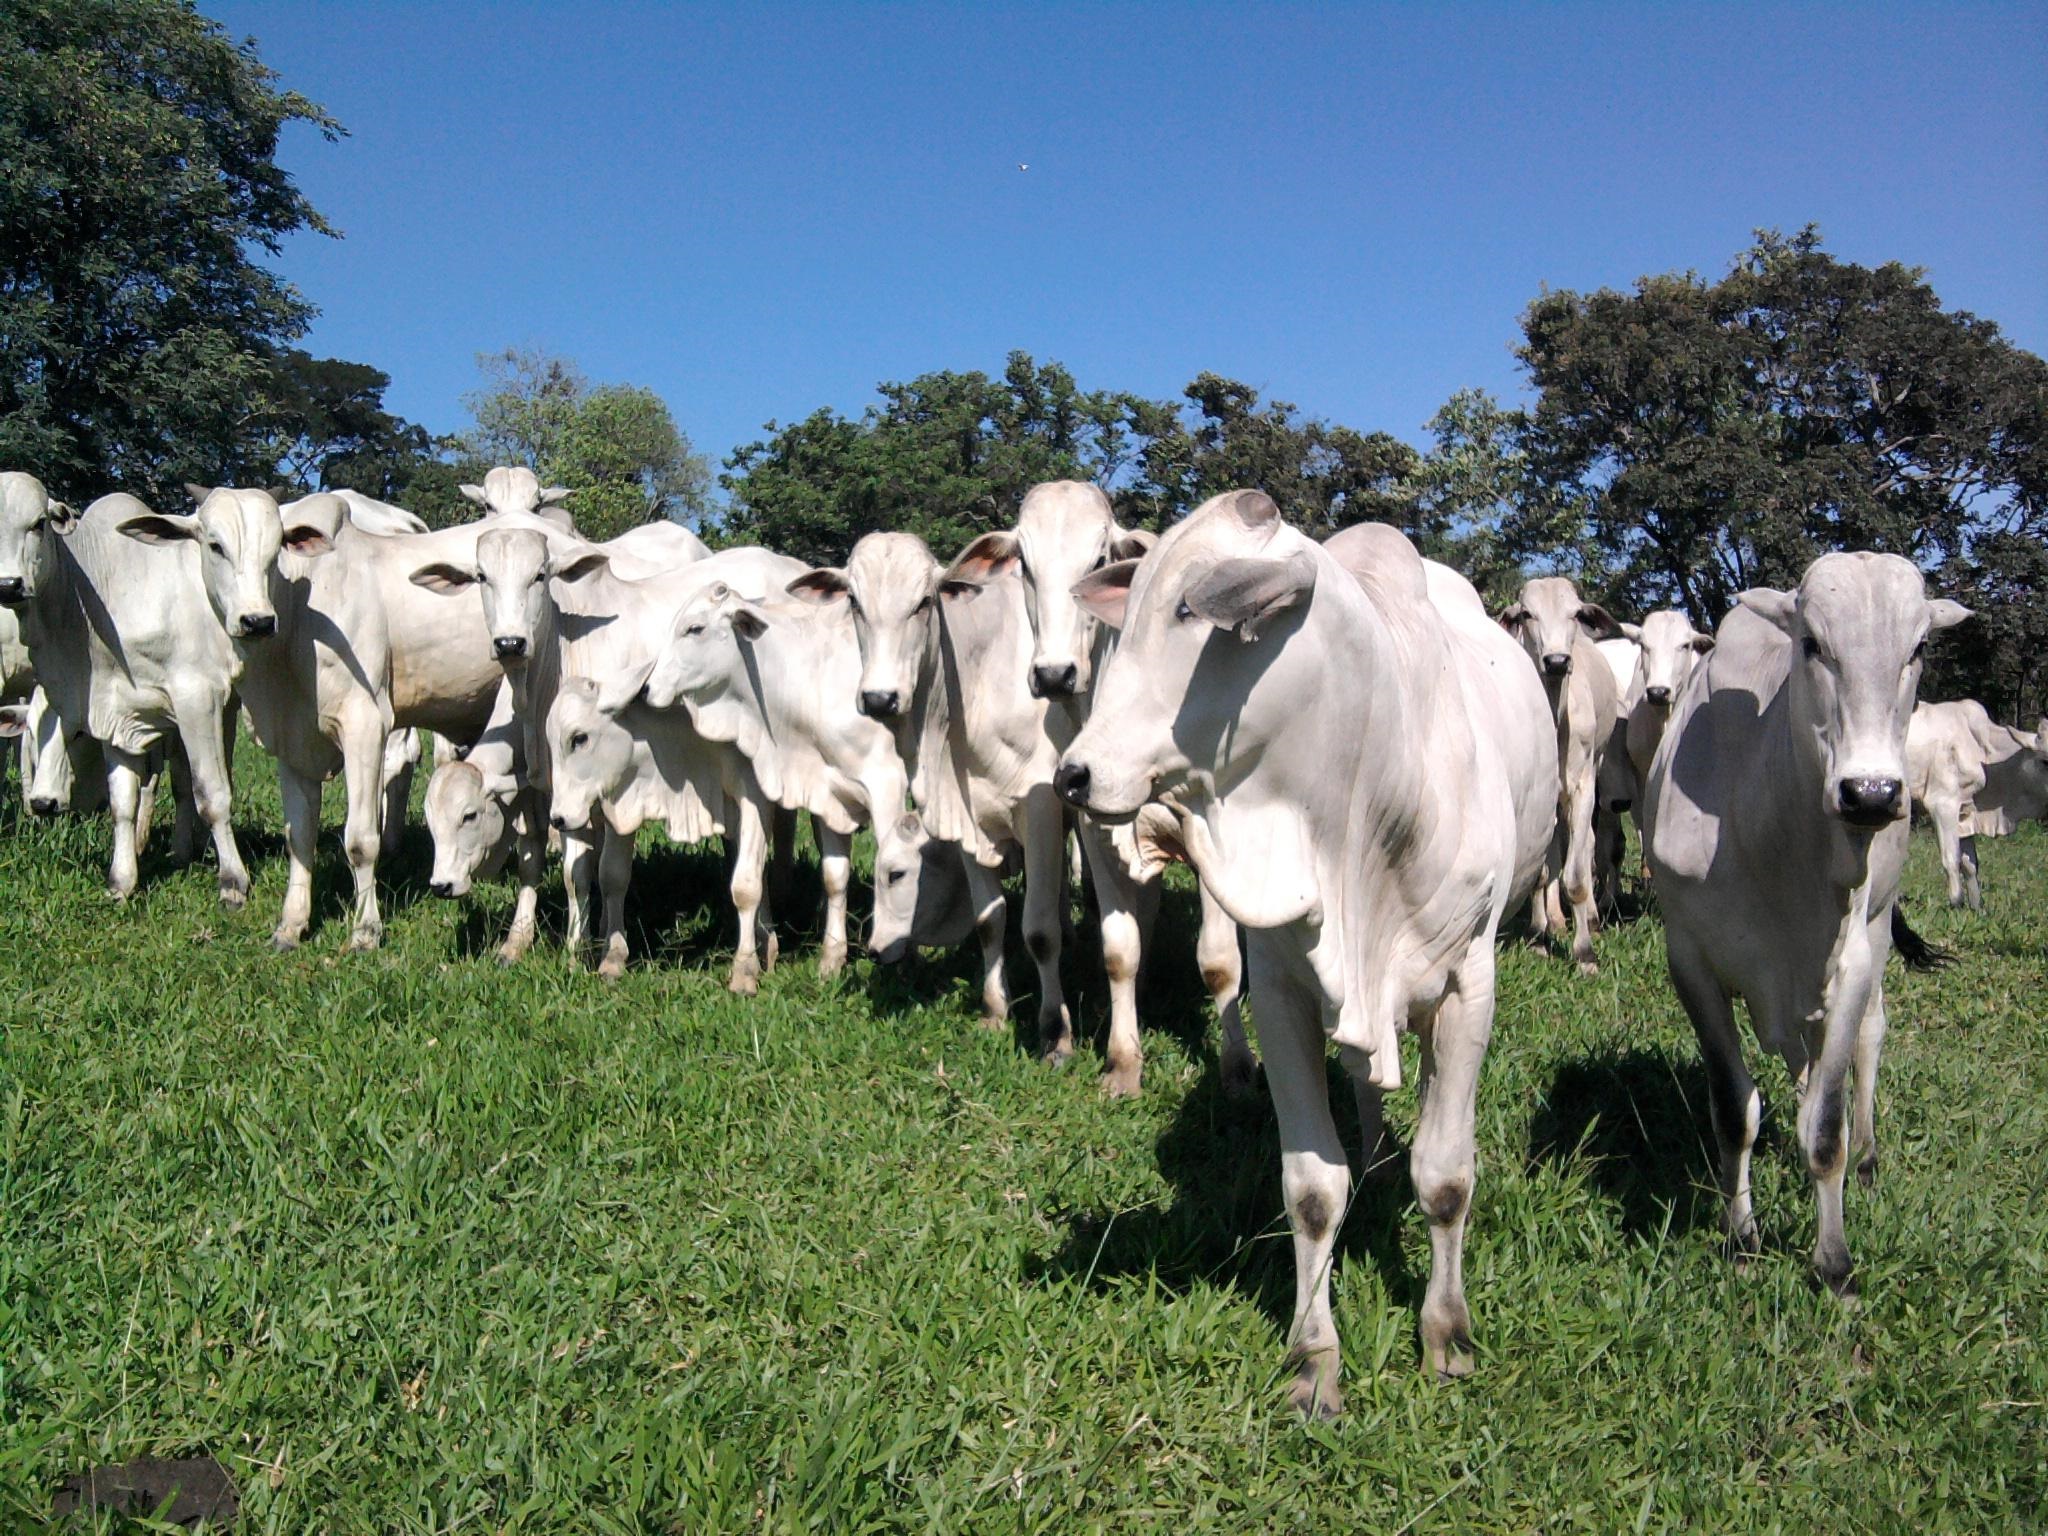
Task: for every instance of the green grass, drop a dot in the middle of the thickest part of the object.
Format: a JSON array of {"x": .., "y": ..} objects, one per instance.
[{"x": 412, "y": 1243}]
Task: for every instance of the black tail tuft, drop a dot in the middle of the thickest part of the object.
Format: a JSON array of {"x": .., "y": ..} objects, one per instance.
[{"x": 1918, "y": 954}]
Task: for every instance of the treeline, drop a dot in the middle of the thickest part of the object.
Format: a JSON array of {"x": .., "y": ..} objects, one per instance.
[{"x": 1683, "y": 439}]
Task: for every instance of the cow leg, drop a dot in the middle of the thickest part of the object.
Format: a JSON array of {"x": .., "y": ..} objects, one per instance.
[
  {"x": 397, "y": 795},
  {"x": 1441, "y": 1162},
  {"x": 579, "y": 875},
  {"x": 1118, "y": 898},
  {"x": 1966, "y": 864},
  {"x": 781, "y": 880},
  {"x": 207, "y": 768},
  {"x": 750, "y": 860},
  {"x": 184, "y": 813},
  {"x": 1222, "y": 967},
  {"x": 1315, "y": 1181},
  {"x": 1737, "y": 1110},
  {"x": 1863, "y": 1127},
  {"x": 991, "y": 917},
  {"x": 1045, "y": 892},
  {"x": 1823, "y": 1118},
  {"x": 835, "y": 871},
  {"x": 614, "y": 873},
  {"x": 1578, "y": 886},
  {"x": 1950, "y": 844},
  {"x": 529, "y": 850},
  {"x": 300, "y": 793},
  {"x": 362, "y": 767},
  {"x": 124, "y": 795}
]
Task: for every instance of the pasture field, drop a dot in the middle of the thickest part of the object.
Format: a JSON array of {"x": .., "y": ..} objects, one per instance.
[{"x": 412, "y": 1243}]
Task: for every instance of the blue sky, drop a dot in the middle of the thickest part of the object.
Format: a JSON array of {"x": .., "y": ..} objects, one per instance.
[{"x": 757, "y": 210}]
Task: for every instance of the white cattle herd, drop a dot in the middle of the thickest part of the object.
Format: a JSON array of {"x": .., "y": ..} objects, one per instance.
[{"x": 1364, "y": 769}]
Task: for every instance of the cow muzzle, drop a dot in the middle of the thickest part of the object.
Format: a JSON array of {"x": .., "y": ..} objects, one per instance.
[
  {"x": 1660, "y": 696},
  {"x": 43, "y": 805},
  {"x": 442, "y": 888},
  {"x": 256, "y": 626},
  {"x": 1072, "y": 781},
  {"x": 890, "y": 953},
  {"x": 509, "y": 647},
  {"x": 1870, "y": 802},
  {"x": 13, "y": 589},
  {"x": 1557, "y": 664},
  {"x": 1055, "y": 680},
  {"x": 881, "y": 703}
]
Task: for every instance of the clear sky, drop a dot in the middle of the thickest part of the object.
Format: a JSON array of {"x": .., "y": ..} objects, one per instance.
[{"x": 760, "y": 209}]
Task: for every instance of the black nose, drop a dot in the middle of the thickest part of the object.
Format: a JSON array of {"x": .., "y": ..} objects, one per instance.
[
  {"x": 43, "y": 805},
  {"x": 1557, "y": 663},
  {"x": 441, "y": 887},
  {"x": 1071, "y": 780},
  {"x": 890, "y": 953},
  {"x": 559, "y": 822},
  {"x": 879, "y": 705},
  {"x": 1055, "y": 682},
  {"x": 256, "y": 625},
  {"x": 1657, "y": 695},
  {"x": 12, "y": 589},
  {"x": 509, "y": 645},
  {"x": 1869, "y": 802}
]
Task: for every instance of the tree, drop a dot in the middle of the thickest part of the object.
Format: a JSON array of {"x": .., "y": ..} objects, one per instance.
[
  {"x": 138, "y": 175},
  {"x": 615, "y": 445},
  {"x": 328, "y": 429},
  {"x": 1477, "y": 506},
  {"x": 1699, "y": 438}
]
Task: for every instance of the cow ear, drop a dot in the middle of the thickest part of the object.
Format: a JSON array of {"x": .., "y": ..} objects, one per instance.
[
  {"x": 198, "y": 493},
  {"x": 307, "y": 541},
  {"x": 748, "y": 622},
  {"x": 554, "y": 495},
  {"x": 1132, "y": 543},
  {"x": 1598, "y": 622},
  {"x": 475, "y": 493},
  {"x": 1253, "y": 509},
  {"x": 986, "y": 558},
  {"x": 1780, "y": 608},
  {"x": 161, "y": 528},
  {"x": 954, "y": 589},
  {"x": 13, "y": 719},
  {"x": 584, "y": 565},
  {"x": 1631, "y": 632},
  {"x": 500, "y": 786},
  {"x": 1941, "y": 613},
  {"x": 1105, "y": 592},
  {"x": 624, "y": 689},
  {"x": 1244, "y": 596},
  {"x": 443, "y": 578},
  {"x": 1513, "y": 617},
  {"x": 1703, "y": 643},
  {"x": 825, "y": 584},
  {"x": 63, "y": 516}
]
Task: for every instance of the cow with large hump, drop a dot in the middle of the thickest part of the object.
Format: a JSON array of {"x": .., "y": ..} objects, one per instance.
[
  {"x": 1972, "y": 778},
  {"x": 945, "y": 664},
  {"x": 1369, "y": 844},
  {"x": 1777, "y": 806},
  {"x": 1066, "y": 529},
  {"x": 125, "y": 651},
  {"x": 1558, "y": 629}
]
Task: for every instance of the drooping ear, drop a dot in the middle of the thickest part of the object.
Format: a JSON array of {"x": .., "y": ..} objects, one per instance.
[
  {"x": 953, "y": 589},
  {"x": 1513, "y": 617},
  {"x": 1780, "y": 608},
  {"x": 475, "y": 493},
  {"x": 1252, "y": 509},
  {"x": 618, "y": 692},
  {"x": 589, "y": 563},
  {"x": 1244, "y": 596},
  {"x": 748, "y": 622},
  {"x": 444, "y": 578},
  {"x": 306, "y": 541},
  {"x": 63, "y": 516},
  {"x": 13, "y": 719},
  {"x": 1631, "y": 632},
  {"x": 986, "y": 558},
  {"x": 198, "y": 493},
  {"x": 1941, "y": 613},
  {"x": 500, "y": 786},
  {"x": 825, "y": 584},
  {"x": 554, "y": 495},
  {"x": 1598, "y": 622},
  {"x": 161, "y": 528},
  {"x": 1103, "y": 593},
  {"x": 1132, "y": 543},
  {"x": 1703, "y": 643}
]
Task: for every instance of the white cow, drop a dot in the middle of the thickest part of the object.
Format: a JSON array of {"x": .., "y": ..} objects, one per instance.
[
  {"x": 1670, "y": 649},
  {"x": 123, "y": 647},
  {"x": 1065, "y": 530},
  {"x": 945, "y": 665},
  {"x": 1365, "y": 779},
  {"x": 517, "y": 490},
  {"x": 1777, "y": 809},
  {"x": 366, "y": 512},
  {"x": 1973, "y": 778},
  {"x": 1558, "y": 630}
]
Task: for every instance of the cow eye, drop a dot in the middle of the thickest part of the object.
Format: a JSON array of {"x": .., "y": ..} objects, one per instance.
[
  {"x": 895, "y": 875},
  {"x": 217, "y": 547},
  {"x": 694, "y": 629},
  {"x": 1182, "y": 611},
  {"x": 579, "y": 740},
  {"x": 539, "y": 577},
  {"x": 468, "y": 817}
]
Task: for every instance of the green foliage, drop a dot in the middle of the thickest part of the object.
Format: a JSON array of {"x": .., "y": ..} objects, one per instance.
[
  {"x": 137, "y": 174},
  {"x": 615, "y": 445},
  {"x": 412, "y": 1242},
  {"x": 329, "y": 429}
]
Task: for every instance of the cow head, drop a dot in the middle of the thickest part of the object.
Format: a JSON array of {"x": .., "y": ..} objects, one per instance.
[
  {"x": 1670, "y": 647},
  {"x": 1202, "y": 620},
  {"x": 511, "y": 574},
  {"x": 1065, "y": 530},
  {"x": 515, "y": 488},
  {"x": 467, "y": 816},
  {"x": 240, "y": 535},
  {"x": 895, "y": 587},
  {"x": 702, "y": 657},
  {"x": 58, "y": 754},
  {"x": 590, "y": 750},
  {"x": 30, "y": 525},
  {"x": 921, "y": 893},
  {"x": 1858, "y": 624},
  {"x": 1548, "y": 617}
]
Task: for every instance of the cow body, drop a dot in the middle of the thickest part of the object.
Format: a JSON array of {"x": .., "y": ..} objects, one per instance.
[{"x": 1973, "y": 778}]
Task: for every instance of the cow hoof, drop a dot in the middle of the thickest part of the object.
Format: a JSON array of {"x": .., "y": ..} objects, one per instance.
[
  {"x": 1589, "y": 967},
  {"x": 612, "y": 968},
  {"x": 1839, "y": 1276},
  {"x": 1058, "y": 1056},
  {"x": 365, "y": 938},
  {"x": 234, "y": 897},
  {"x": 1866, "y": 1172},
  {"x": 831, "y": 961},
  {"x": 746, "y": 977},
  {"x": 770, "y": 953},
  {"x": 510, "y": 955},
  {"x": 994, "y": 1023},
  {"x": 119, "y": 893},
  {"x": 1314, "y": 1392},
  {"x": 284, "y": 943},
  {"x": 1120, "y": 1083}
]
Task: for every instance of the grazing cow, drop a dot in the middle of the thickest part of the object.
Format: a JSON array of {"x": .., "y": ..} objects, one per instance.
[
  {"x": 123, "y": 648},
  {"x": 1066, "y": 529},
  {"x": 1973, "y": 778},
  {"x": 945, "y": 663},
  {"x": 1558, "y": 630},
  {"x": 1365, "y": 781},
  {"x": 1777, "y": 811}
]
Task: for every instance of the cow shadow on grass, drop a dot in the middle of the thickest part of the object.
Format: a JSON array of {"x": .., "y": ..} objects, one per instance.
[{"x": 1226, "y": 1223}]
